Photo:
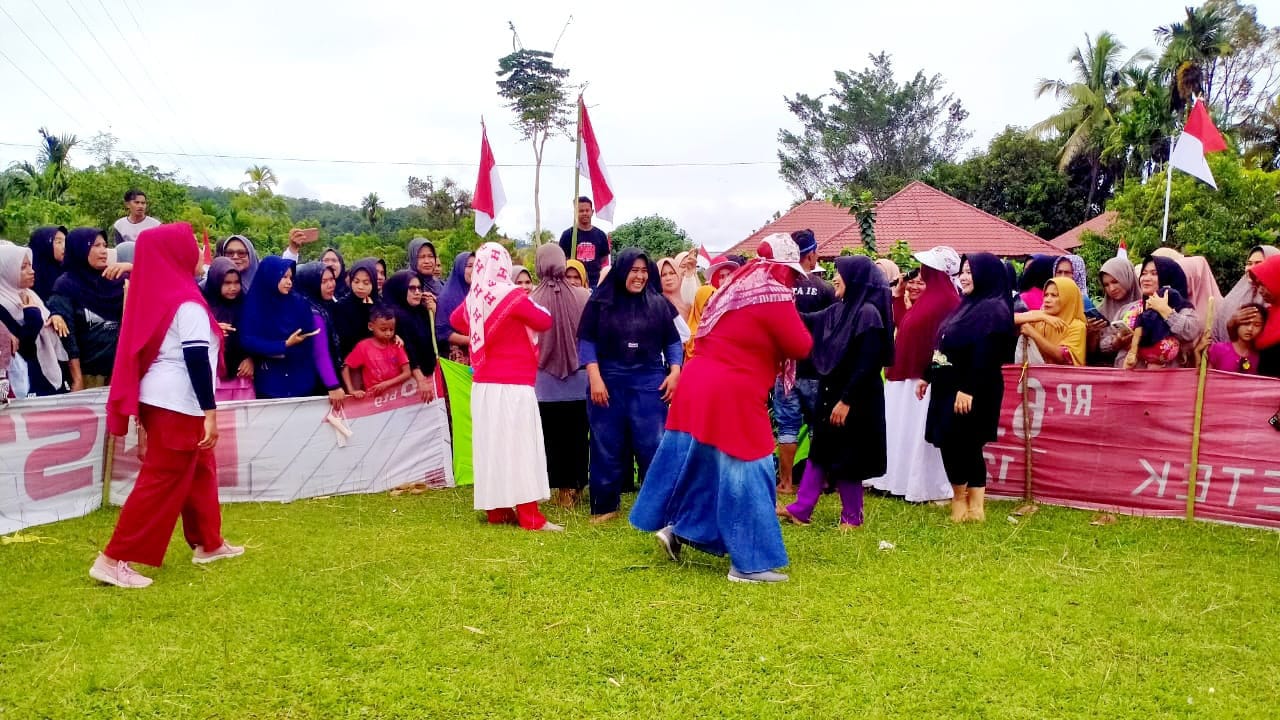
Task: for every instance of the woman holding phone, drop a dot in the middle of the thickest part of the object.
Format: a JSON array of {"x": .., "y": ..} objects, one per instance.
[{"x": 278, "y": 331}]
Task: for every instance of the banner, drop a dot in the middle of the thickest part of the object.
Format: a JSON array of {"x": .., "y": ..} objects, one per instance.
[
  {"x": 285, "y": 450},
  {"x": 51, "y": 454},
  {"x": 458, "y": 379},
  {"x": 1120, "y": 441}
]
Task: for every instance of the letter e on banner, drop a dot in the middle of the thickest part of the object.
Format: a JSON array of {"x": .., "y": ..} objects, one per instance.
[{"x": 83, "y": 423}]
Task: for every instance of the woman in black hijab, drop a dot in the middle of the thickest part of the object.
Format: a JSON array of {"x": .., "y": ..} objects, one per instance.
[
  {"x": 403, "y": 292},
  {"x": 91, "y": 306},
  {"x": 351, "y": 314},
  {"x": 48, "y": 247},
  {"x": 968, "y": 386},
  {"x": 318, "y": 282},
  {"x": 632, "y": 352},
  {"x": 224, "y": 292},
  {"x": 852, "y": 345}
]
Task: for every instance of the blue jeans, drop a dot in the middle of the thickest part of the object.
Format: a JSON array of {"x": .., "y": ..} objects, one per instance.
[
  {"x": 792, "y": 411},
  {"x": 630, "y": 428}
]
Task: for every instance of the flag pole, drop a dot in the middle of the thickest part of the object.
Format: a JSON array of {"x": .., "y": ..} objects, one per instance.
[
  {"x": 1168, "y": 192},
  {"x": 577, "y": 178}
]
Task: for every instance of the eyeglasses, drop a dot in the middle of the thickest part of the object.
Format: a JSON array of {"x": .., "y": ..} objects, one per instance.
[
  {"x": 415, "y": 288},
  {"x": 236, "y": 253}
]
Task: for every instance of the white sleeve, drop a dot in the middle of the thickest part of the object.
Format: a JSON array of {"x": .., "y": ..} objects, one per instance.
[
  {"x": 682, "y": 328},
  {"x": 289, "y": 254},
  {"x": 192, "y": 324}
]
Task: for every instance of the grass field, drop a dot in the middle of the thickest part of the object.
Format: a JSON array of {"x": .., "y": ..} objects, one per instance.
[{"x": 379, "y": 607}]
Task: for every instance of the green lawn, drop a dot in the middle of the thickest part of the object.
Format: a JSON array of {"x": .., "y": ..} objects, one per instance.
[{"x": 379, "y": 607}]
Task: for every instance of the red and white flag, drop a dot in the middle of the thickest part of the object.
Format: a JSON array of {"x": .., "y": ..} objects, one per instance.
[
  {"x": 488, "y": 198},
  {"x": 592, "y": 167},
  {"x": 1199, "y": 138},
  {"x": 704, "y": 258}
]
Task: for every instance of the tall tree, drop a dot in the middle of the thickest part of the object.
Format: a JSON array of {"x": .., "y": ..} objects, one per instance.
[
  {"x": 1261, "y": 135},
  {"x": 371, "y": 208},
  {"x": 260, "y": 180},
  {"x": 1089, "y": 107},
  {"x": 869, "y": 132},
  {"x": 49, "y": 177},
  {"x": 535, "y": 89},
  {"x": 445, "y": 202},
  {"x": 658, "y": 236}
]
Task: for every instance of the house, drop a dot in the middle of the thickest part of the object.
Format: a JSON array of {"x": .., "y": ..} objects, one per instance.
[
  {"x": 919, "y": 214},
  {"x": 1073, "y": 238}
]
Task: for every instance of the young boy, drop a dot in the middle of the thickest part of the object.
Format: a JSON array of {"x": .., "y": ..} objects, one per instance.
[{"x": 380, "y": 362}]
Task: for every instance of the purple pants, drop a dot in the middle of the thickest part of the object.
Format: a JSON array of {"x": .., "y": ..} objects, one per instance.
[{"x": 811, "y": 489}]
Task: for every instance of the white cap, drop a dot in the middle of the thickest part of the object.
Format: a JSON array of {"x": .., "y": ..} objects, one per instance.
[
  {"x": 781, "y": 249},
  {"x": 940, "y": 258}
]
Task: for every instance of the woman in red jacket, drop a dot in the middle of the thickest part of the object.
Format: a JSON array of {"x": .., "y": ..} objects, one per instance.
[
  {"x": 711, "y": 484},
  {"x": 508, "y": 456}
]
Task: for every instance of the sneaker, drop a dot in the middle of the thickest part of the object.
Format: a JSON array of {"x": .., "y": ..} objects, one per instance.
[
  {"x": 549, "y": 526},
  {"x": 117, "y": 572},
  {"x": 670, "y": 542},
  {"x": 200, "y": 557},
  {"x": 767, "y": 576}
]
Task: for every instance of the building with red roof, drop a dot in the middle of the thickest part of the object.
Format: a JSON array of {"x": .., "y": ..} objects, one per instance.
[
  {"x": 1074, "y": 238},
  {"x": 921, "y": 215}
]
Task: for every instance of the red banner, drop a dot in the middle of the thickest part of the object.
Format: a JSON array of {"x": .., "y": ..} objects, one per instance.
[{"x": 1121, "y": 441}]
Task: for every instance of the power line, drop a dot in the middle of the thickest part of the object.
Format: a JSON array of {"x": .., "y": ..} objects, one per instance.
[
  {"x": 407, "y": 163},
  {"x": 53, "y": 64},
  {"x": 39, "y": 87},
  {"x": 130, "y": 84}
]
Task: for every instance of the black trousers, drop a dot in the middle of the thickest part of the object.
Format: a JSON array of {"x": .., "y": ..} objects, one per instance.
[
  {"x": 964, "y": 464},
  {"x": 565, "y": 438}
]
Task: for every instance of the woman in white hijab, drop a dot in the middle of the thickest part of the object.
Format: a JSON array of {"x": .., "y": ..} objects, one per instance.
[{"x": 40, "y": 352}]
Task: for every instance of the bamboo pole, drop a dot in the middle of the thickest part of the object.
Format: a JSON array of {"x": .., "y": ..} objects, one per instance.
[
  {"x": 577, "y": 179},
  {"x": 1026, "y": 421},
  {"x": 1196, "y": 423},
  {"x": 108, "y": 466}
]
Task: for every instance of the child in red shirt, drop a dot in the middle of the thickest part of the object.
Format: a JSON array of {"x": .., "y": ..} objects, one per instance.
[{"x": 379, "y": 361}]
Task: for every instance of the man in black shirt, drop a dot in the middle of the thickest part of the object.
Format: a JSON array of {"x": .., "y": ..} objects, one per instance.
[
  {"x": 593, "y": 244},
  {"x": 796, "y": 408}
]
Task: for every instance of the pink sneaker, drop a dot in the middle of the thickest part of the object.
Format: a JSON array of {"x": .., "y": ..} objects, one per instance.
[
  {"x": 200, "y": 557},
  {"x": 117, "y": 572}
]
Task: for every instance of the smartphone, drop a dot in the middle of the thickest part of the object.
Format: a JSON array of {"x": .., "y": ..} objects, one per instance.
[
  {"x": 310, "y": 234},
  {"x": 1093, "y": 314}
]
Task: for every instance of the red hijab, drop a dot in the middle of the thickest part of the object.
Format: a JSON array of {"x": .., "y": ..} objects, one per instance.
[
  {"x": 917, "y": 331},
  {"x": 1268, "y": 275},
  {"x": 164, "y": 266}
]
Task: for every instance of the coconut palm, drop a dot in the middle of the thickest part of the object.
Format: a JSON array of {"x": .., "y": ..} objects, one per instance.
[
  {"x": 1201, "y": 38},
  {"x": 1090, "y": 104},
  {"x": 1260, "y": 133},
  {"x": 261, "y": 180},
  {"x": 371, "y": 208}
]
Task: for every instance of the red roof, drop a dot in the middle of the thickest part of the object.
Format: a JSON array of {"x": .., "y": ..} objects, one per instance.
[
  {"x": 1072, "y": 239},
  {"x": 922, "y": 216}
]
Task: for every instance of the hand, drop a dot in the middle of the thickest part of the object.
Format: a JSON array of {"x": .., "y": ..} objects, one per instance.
[
  {"x": 1131, "y": 359},
  {"x": 1246, "y": 315},
  {"x": 115, "y": 271},
  {"x": 964, "y": 403},
  {"x": 1203, "y": 344},
  {"x": 430, "y": 301},
  {"x": 302, "y": 236},
  {"x": 899, "y": 289},
  {"x": 1095, "y": 326},
  {"x": 600, "y": 393},
  {"x": 668, "y": 386},
  {"x": 77, "y": 384},
  {"x": 245, "y": 370},
  {"x": 226, "y": 327},
  {"x": 380, "y": 388},
  {"x": 210, "y": 430},
  {"x": 27, "y": 299},
  {"x": 296, "y": 338},
  {"x": 358, "y": 394},
  {"x": 142, "y": 442},
  {"x": 1053, "y": 321},
  {"x": 15, "y": 343},
  {"x": 399, "y": 341},
  {"x": 921, "y": 389},
  {"x": 426, "y": 387},
  {"x": 1160, "y": 303},
  {"x": 1026, "y": 330},
  {"x": 839, "y": 413},
  {"x": 59, "y": 325},
  {"x": 336, "y": 396}
]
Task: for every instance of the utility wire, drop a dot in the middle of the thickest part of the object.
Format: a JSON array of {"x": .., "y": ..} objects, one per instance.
[
  {"x": 54, "y": 65},
  {"x": 39, "y": 87}
]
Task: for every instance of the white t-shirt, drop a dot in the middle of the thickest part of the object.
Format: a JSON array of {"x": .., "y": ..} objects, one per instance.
[
  {"x": 129, "y": 231},
  {"x": 166, "y": 383}
]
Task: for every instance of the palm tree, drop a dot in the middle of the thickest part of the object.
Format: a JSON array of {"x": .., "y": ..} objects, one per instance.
[
  {"x": 261, "y": 180},
  {"x": 371, "y": 208},
  {"x": 1261, "y": 133},
  {"x": 1090, "y": 105},
  {"x": 1201, "y": 39}
]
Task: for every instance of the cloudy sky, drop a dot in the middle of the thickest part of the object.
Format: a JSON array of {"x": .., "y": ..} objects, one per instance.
[{"x": 401, "y": 87}]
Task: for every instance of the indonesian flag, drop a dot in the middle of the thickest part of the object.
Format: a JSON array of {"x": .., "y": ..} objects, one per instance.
[
  {"x": 488, "y": 198},
  {"x": 592, "y": 167},
  {"x": 704, "y": 258},
  {"x": 1122, "y": 251},
  {"x": 1199, "y": 137}
]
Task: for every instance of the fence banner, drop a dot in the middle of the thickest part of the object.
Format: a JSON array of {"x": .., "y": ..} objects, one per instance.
[
  {"x": 51, "y": 454},
  {"x": 1121, "y": 441},
  {"x": 458, "y": 379},
  {"x": 284, "y": 450}
]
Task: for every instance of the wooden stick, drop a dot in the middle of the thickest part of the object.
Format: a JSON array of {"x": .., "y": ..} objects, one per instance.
[{"x": 1196, "y": 423}]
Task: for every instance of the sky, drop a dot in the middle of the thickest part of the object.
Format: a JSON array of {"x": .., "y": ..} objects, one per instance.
[{"x": 402, "y": 87}]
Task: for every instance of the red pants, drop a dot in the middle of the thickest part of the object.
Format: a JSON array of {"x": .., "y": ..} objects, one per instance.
[
  {"x": 176, "y": 479},
  {"x": 526, "y": 515}
]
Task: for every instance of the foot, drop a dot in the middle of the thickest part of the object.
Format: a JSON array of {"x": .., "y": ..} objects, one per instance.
[
  {"x": 568, "y": 499},
  {"x": 767, "y": 576},
  {"x": 670, "y": 542},
  {"x": 786, "y": 489},
  {"x": 786, "y": 514},
  {"x": 603, "y": 517},
  {"x": 848, "y": 527},
  {"x": 549, "y": 526},
  {"x": 117, "y": 572},
  {"x": 200, "y": 557},
  {"x": 975, "y": 516}
]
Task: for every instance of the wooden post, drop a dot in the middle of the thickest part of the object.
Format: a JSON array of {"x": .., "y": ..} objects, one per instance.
[
  {"x": 1196, "y": 423},
  {"x": 108, "y": 466},
  {"x": 577, "y": 179},
  {"x": 1026, "y": 421}
]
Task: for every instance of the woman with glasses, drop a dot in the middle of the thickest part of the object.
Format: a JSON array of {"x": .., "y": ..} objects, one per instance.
[
  {"x": 404, "y": 293},
  {"x": 240, "y": 251}
]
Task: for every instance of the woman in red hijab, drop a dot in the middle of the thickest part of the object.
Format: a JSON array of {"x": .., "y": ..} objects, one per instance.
[{"x": 169, "y": 348}]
